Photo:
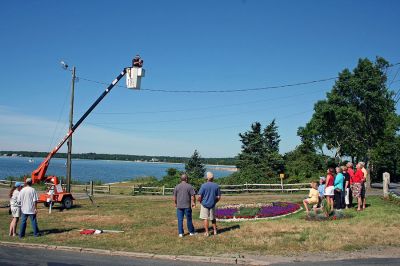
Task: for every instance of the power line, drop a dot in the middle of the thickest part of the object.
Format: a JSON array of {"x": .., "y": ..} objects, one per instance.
[
  {"x": 272, "y": 108},
  {"x": 395, "y": 76},
  {"x": 198, "y": 130},
  {"x": 232, "y": 90},
  {"x": 396, "y": 96},
  {"x": 219, "y": 91},
  {"x": 212, "y": 106}
]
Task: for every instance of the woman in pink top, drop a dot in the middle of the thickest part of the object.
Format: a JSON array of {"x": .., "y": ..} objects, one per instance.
[{"x": 329, "y": 189}]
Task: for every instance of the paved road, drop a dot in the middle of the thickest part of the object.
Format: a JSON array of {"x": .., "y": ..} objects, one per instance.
[
  {"x": 370, "y": 261},
  {"x": 33, "y": 257}
]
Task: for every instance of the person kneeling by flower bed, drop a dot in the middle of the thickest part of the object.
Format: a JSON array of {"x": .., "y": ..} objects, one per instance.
[{"x": 313, "y": 198}]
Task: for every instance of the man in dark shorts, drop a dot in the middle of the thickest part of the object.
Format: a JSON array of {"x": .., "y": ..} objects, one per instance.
[{"x": 184, "y": 198}]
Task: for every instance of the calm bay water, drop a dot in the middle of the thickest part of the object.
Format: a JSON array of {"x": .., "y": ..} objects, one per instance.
[{"x": 86, "y": 170}]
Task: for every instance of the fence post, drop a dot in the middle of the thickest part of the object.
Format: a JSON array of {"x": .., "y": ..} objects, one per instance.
[
  {"x": 282, "y": 184},
  {"x": 247, "y": 187},
  {"x": 133, "y": 190},
  {"x": 91, "y": 188},
  {"x": 386, "y": 181},
  {"x": 163, "y": 190},
  {"x": 109, "y": 189}
]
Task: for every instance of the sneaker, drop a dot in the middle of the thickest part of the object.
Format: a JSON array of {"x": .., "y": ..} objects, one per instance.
[
  {"x": 192, "y": 234},
  {"x": 180, "y": 235}
]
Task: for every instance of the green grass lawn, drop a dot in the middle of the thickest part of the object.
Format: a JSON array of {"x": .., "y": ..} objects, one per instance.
[{"x": 150, "y": 225}]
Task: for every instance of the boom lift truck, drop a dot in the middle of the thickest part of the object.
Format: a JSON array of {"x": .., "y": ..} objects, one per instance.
[{"x": 55, "y": 192}]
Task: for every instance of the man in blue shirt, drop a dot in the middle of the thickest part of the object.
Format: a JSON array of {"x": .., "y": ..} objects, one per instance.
[{"x": 209, "y": 195}]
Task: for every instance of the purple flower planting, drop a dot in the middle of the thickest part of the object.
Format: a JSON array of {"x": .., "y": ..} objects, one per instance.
[
  {"x": 220, "y": 213},
  {"x": 266, "y": 210}
]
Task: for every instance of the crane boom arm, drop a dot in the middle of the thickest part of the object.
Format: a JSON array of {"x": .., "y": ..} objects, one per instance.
[{"x": 38, "y": 175}]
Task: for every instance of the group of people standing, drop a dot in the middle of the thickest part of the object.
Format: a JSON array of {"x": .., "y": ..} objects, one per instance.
[
  {"x": 23, "y": 204},
  {"x": 185, "y": 199},
  {"x": 340, "y": 186}
]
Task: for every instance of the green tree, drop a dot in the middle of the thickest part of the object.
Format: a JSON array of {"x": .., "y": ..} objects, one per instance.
[
  {"x": 386, "y": 155},
  {"x": 252, "y": 147},
  {"x": 259, "y": 159},
  {"x": 195, "y": 167},
  {"x": 353, "y": 118},
  {"x": 172, "y": 178},
  {"x": 304, "y": 163}
]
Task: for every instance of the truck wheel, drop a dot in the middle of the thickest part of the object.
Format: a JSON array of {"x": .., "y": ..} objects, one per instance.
[{"x": 67, "y": 202}]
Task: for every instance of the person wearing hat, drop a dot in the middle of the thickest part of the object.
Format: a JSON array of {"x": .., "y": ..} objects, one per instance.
[
  {"x": 28, "y": 199},
  {"x": 137, "y": 61},
  {"x": 210, "y": 194},
  {"x": 15, "y": 208}
]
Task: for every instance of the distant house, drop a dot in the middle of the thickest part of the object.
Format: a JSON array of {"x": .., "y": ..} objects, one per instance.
[{"x": 14, "y": 155}]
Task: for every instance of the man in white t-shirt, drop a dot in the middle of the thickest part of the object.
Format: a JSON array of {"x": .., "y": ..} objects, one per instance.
[{"x": 28, "y": 198}]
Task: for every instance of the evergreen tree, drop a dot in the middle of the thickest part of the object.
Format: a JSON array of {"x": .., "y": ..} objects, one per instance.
[
  {"x": 252, "y": 147},
  {"x": 195, "y": 167},
  {"x": 259, "y": 158}
]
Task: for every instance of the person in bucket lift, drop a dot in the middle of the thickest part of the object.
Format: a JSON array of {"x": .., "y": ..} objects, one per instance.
[{"x": 137, "y": 61}]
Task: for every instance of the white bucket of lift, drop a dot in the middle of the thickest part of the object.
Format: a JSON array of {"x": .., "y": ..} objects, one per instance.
[{"x": 133, "y": 77}]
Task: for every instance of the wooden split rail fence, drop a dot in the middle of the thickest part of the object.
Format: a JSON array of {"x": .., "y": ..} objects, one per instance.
[
  {"x": 148, "y": 190},
  {"x": 229, "y": 189}
]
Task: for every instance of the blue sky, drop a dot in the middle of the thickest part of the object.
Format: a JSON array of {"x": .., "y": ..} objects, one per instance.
[{"x": 186, "y": 45}]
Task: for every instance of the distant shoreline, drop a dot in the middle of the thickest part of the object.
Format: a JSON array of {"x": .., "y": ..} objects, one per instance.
[
  {"x": 224, "y": 161},
  {"x": 218, "y": 167}
]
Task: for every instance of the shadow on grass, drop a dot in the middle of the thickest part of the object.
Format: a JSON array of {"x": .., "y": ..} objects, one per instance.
[
  {"x": 55, "y": 231},
  {"x": 220, "y": 230},
  {"x": 61, "y": 209},
  {"x": 354, "y": 206}
]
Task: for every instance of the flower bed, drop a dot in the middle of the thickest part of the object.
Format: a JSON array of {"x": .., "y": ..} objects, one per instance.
[
  {"x": 334, "y": 215},
  {"x": 255, "y": 211}
]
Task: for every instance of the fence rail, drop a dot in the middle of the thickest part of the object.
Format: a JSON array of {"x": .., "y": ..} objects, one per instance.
[
  {"x": 6, "y": 183},
  {"x": 148, "y": 190},
  {"x": 226, "y": 189}
]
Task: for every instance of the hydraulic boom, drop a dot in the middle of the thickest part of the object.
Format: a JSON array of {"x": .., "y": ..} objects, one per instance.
[
  {"x": 55, "y": 192},
  {"x": 38, "y": 175}
]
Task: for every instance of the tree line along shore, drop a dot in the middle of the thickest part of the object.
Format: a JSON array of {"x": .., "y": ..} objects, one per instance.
[{"x": 121, "y": 157}]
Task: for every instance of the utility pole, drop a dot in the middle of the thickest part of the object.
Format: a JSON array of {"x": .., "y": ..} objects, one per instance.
[{"x": 71, "y": 117}]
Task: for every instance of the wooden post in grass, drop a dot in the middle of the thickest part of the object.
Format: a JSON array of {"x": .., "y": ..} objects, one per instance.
[
  {"x": 386, "y": 182},
  {"x": 282, "y": 176},
  {"x": 91, "y": 188},
  {"x": 109, "y": 189},
  {"x": 133, "y": 190},
  {"x": 163, "y": 190}
]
